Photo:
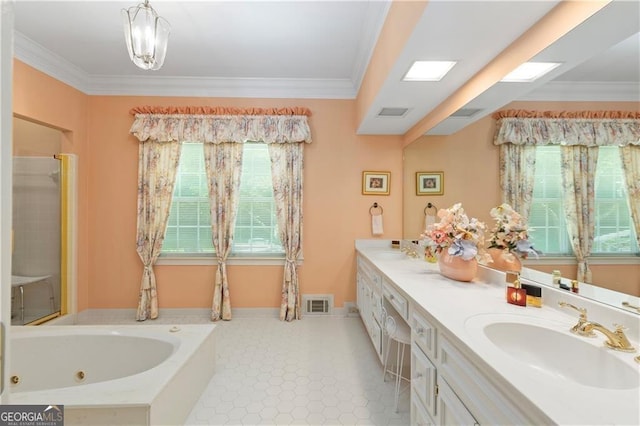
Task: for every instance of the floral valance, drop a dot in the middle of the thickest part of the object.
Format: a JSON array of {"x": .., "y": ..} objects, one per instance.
[
  {"x": 218, "y": 124},
  {"x": 587, "y": 128}
]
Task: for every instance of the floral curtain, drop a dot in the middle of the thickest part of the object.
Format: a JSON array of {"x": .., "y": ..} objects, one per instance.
[
  {"x": 517, "y": 170},
  {"x": 287, "y": 167},
  {"x": 284, "y": 129},
  {"x": 579, "y": 133},
  {"x": 223, "y": 163},
  {"x": 157, "y": 167},
  {"x": 630, "y": 156},
  {"x": 578, "y": 164},
  {"x": 585, "y": 128},
  {"x": 218, "y": 125}
]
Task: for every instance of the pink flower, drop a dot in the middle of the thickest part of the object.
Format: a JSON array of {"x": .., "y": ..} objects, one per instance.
[
  {"x": 439, "y": 237},
  {"x": 454, "y": 227}
]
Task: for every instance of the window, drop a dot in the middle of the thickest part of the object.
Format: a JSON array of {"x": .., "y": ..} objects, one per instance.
[
  {"x": 189, "y": 226},
  {"x": 614, "y": 232},
  {"x": 256, "y": 229}
]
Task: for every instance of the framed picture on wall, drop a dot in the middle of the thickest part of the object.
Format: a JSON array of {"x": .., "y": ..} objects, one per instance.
[
  {"x": 375, "y": 183},
  {"x": 429, "y": 183}
]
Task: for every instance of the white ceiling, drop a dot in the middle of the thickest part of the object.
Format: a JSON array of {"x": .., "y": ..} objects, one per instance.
[{"x": 321, "y": 48}]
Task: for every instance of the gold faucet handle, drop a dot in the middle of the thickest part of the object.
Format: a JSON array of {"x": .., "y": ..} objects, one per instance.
[
  {"x": 623, "y": 343},
  {"x": 582, "y": 311},
  {"x": 579, "y": 328},
  {"x": 620, "y": 329}
]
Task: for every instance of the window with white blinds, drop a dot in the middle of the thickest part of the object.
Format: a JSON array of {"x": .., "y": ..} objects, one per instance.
[
  {"x": 614, "y": 232},
  {"x": 189, "y": 227}
]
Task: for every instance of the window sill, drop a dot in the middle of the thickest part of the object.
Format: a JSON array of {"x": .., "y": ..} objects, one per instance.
[
  {"x": 593, "y": 260},
  {"x": 232, "y": 260}
]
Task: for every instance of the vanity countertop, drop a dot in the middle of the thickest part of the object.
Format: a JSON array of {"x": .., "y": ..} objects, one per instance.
[{"x": 456, "y": 306}]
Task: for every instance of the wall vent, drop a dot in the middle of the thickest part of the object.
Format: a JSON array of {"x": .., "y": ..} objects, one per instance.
[
  {"x": 317, "y": 304},
  {"x": 466, "y": 112},
  {"x": 393, "y": 112}
]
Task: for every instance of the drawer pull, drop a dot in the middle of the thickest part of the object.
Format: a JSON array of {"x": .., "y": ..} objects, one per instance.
[
  {"x": 418, "y": 376},
  {"x": 420, "y": 330},
  {"x": 391, "y": 297}
]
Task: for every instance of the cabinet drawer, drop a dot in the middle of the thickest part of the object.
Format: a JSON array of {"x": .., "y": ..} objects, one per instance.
[
  {"x": 423, "y": 379},
  {"x": 370, "y": 273},
  {"x": 488, "y": 404},
  {"x": 398, "y": 301},
  {"x": 419, "y": 415},
  {"x": 451, "y": 410},
  {"x": 376, "y": 306},
  {"x": 376, "y": 335},
  {"x": 424, "y": 333}
]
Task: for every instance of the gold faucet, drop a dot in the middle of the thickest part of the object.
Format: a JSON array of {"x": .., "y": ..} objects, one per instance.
[
  {"x": 579, "y": 327},
  {"x": 615, "y": 339},
  {"x": 410, "y": 251}
]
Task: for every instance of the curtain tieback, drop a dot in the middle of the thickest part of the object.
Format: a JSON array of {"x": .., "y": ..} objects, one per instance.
[{"x": 147, "y": 273}]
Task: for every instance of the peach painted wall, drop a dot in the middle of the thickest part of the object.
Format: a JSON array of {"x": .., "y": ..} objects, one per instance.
[
  {"x": 335, "y": 212},
  {"x": 469, "y": 161},
  {"x": 96, "y": 128},
  {"x": 47, "y": 101},
  {"x": 32, "y": 139}
]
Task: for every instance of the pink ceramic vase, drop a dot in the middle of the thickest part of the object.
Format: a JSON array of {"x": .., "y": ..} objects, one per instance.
[
  {"x": 456, "y": 268},
  {"x": 504, "y": 262}
]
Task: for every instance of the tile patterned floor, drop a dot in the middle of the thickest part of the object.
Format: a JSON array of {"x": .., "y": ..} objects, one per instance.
[{"x": 317, "y": 371}]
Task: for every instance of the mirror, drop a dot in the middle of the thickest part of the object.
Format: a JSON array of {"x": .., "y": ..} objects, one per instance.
[
  {"x": 36, "y": 229},
  {"x": 469, "y": 162}
]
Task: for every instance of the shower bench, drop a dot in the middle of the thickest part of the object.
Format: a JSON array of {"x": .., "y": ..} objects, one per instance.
[{"x": 19, "y": 282}]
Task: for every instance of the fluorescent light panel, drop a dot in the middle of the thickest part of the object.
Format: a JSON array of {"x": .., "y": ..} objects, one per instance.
[
  {"x": 529, "y": 71},
  {"x": 428, "y": 70}
]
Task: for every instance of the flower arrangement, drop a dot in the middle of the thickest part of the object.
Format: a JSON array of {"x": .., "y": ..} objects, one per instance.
[
  {"x": 510, "y": 233},
  {"x": 455, "y": 232}
]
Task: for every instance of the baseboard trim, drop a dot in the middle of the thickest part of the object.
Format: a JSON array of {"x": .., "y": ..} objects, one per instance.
[{"x": 129, "y": 314}]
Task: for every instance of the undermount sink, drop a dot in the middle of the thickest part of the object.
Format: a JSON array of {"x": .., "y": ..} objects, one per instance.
[{"x": 560, "y": 354}]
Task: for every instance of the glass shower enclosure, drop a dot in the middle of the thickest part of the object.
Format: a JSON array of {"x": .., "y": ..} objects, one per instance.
[{"x": 36, "y": 248}]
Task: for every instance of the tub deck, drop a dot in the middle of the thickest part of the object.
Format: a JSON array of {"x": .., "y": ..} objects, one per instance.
[{"x": 162, "y": 395}]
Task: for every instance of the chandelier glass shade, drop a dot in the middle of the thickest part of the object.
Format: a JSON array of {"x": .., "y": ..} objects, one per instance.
[{"x": 146, "y": 35}]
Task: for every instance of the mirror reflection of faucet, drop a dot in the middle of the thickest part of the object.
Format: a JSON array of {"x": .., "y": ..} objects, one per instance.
[
  {"x": 630, "y": 306},
  {"x": 616, "y": 339}
]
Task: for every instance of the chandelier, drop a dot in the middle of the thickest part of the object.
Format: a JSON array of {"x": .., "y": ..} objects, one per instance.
[{"x": 146, "y": 35}]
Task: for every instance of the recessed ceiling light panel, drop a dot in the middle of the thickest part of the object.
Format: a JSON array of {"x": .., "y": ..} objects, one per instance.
[
  {"x": 529, "y": 71},
  {"x": 428, "y": 70}
]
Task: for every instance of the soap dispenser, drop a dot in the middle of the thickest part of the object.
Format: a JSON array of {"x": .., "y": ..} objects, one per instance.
[{"x": 516, "y": 295}]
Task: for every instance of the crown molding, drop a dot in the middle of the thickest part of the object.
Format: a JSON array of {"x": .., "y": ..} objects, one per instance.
[
  {"x": 373, "y": 23},
  {"x": 571, "y": 91},
  {"x": 222, "y": 87},
  {"x": 35, "y": 55}
]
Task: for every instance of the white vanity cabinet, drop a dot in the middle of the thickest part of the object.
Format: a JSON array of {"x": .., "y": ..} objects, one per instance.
[
  {"x": 460, "y": 376},
  {"x": 475, "y": 391},
  {"x": 369, "y": 301},
  {"x": 432, "y": 399},
  {"x": 451, "y": 411},
  {"x": 449, "y": 387},
  {"x": 395, "y": 299},
  {"x": 428, "y": 407}
]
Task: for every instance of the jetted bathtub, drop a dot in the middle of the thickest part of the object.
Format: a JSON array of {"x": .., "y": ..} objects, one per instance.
[{"x": 116, "y": 375}]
